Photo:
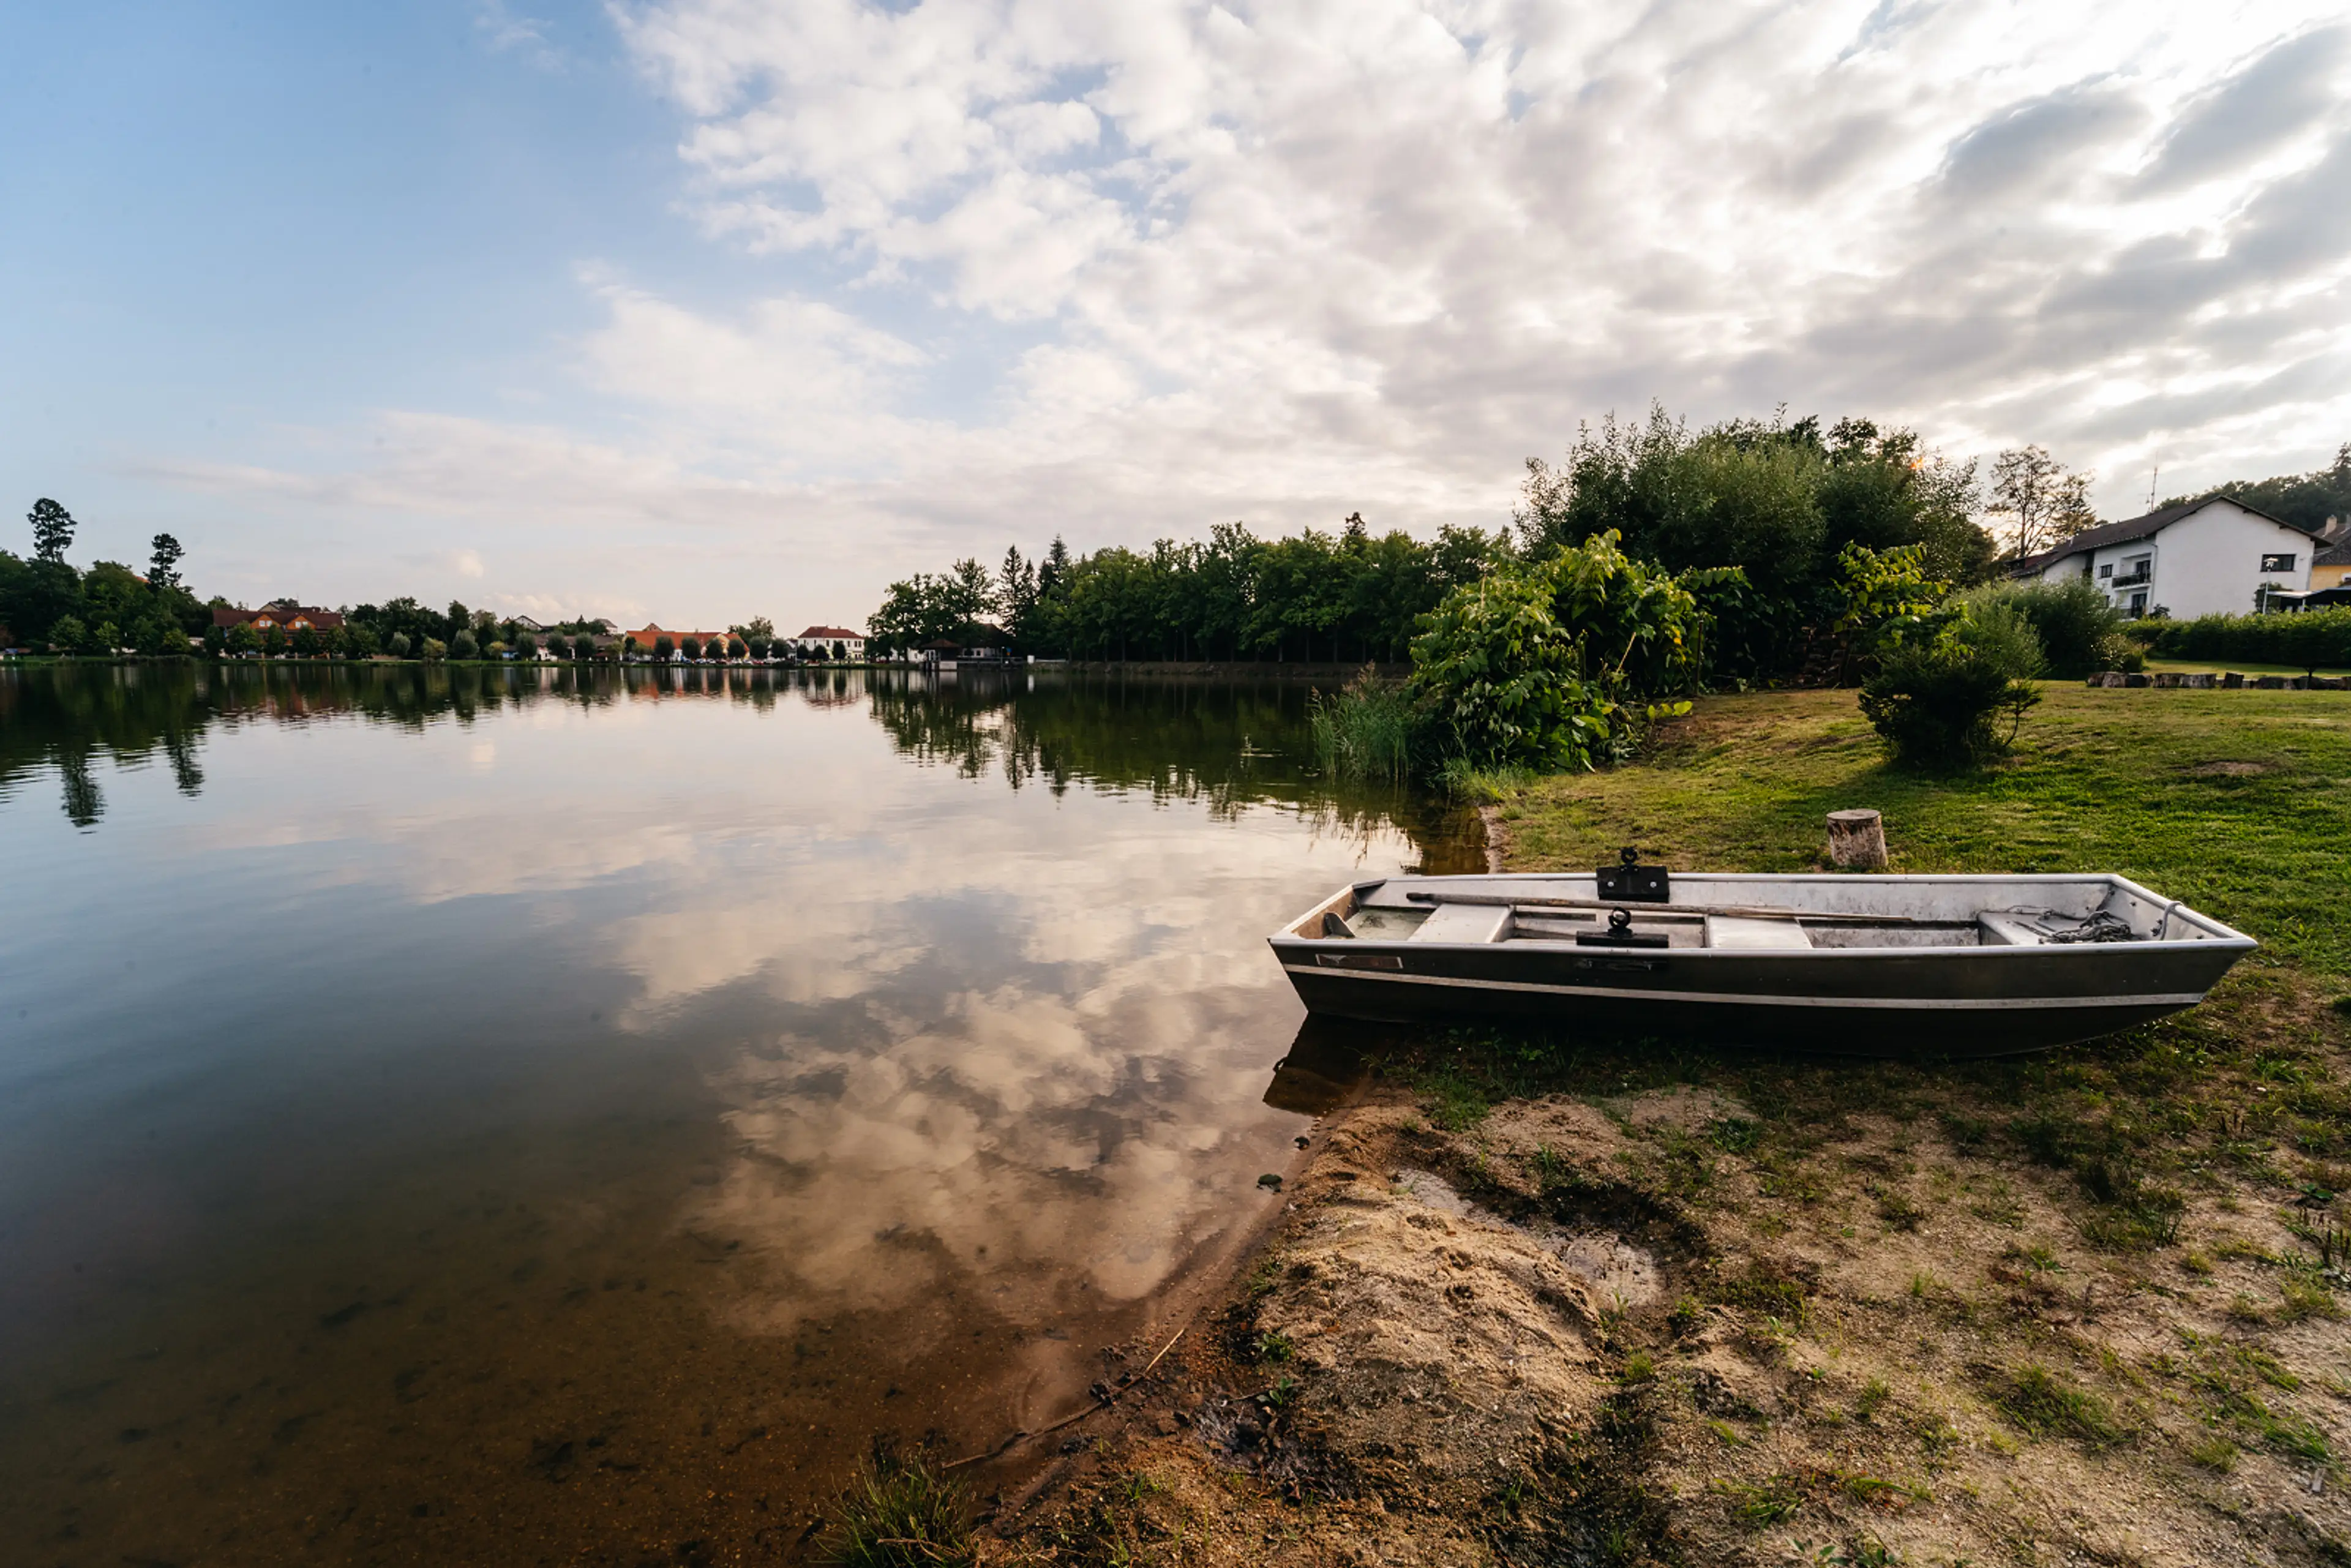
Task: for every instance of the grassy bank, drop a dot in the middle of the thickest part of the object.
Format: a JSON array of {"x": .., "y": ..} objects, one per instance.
[
  {"x": 2238, "y": 802},
  {"x": 1560, "y": 1299}
]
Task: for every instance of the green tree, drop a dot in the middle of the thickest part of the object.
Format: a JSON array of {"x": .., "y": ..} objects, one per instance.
[
  {"x": 663, "y": 647},
  {"x": 738, "y": 649},
  {"x": 559, "y": 646},
  {"x": 243, "y": 638},
  {"x": 2042, "y": 505},
  {"x": 398, "y": 645},
  {"x": 463, "y": 646},
  {"x": 273, "y": 641},
  {"x": 164, "y": 565},
  {"x": 53, "y": 530},
  {"x": 215, "y": 642},
  {"x": 691, "y": 647},
  {"x": 525, "y": 645},
  {"x": 305, "y": 643},
  {"x": 69, "y": 634},
  {"x": 434, "y": 650}
]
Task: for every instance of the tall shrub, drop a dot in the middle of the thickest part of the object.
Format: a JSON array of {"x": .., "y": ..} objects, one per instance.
[
  {"x": 2079, "y": 631},
  {"x": 1551, "y": 663},
  {"x": 1944, "y": 683}
]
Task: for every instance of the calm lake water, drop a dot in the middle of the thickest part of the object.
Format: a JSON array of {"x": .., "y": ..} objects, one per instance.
[{"x": 521, "y": 1116}]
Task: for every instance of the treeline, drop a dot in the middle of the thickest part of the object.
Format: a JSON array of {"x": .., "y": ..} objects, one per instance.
[
  {"x": 1315, "y": 596},
  {"x": 2305, "y": 500},
  {"x": 47, "y": 602},
  {"x": 43, "y": 600},
  {"x": 1766, "y": 508}
]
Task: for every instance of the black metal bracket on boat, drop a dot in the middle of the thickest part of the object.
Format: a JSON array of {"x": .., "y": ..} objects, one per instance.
[
  {"x": 1620, "y": 933},
  {"x": 1634, "y": 883}
]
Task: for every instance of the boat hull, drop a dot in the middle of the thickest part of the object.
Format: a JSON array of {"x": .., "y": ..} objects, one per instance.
[{"x": 1940, "y": 1001}]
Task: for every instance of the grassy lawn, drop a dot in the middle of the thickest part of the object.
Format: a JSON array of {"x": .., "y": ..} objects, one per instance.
[{"x": 2238, "y": 802}]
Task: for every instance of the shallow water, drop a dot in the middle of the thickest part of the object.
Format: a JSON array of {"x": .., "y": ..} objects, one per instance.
[{"x": 514, "y": 1117}]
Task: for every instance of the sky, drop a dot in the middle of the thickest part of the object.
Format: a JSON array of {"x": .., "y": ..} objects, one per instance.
[{"x": 702, "y": 310}]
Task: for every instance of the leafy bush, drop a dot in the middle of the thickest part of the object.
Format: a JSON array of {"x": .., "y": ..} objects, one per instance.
[
  {"x": 1505, "y": 677},
  {"x": 2080, "y": 632},
  {"x": 463, "y": 646},
  {"x": 1551, "y": 663},
  {"x": 399, "y": 645},
  {"x": 1937, "y": 698}
]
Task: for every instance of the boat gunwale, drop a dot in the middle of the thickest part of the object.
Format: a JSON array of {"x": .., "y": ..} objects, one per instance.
[{"x": 2219, "y": 934}]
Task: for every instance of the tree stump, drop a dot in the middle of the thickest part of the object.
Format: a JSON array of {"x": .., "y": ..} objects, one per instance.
[{"x": 1857, "y": 841}]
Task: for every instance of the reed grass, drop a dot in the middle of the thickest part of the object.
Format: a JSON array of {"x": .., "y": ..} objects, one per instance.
[{"x": 1365, "y": 732}]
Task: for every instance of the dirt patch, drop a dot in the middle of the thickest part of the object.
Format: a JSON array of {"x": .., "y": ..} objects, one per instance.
[
  {"x": 2228, "y": 770},
  {"x": 2081, "y": 1310}
]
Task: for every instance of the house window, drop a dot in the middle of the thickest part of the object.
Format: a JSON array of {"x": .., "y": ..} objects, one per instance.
[
  {"x": 2106, "y": 570},
  {"x": 2277, "y": 562},
  {"x": 2139, "y": 603}
]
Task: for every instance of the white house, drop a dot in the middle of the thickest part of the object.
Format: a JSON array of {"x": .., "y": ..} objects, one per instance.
[
  {"x": 2201, "y": 558},
  {"x": 818, "y": 642}
]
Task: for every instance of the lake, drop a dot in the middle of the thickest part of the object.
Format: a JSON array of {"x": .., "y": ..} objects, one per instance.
[{"x": 525, "y": 1115}]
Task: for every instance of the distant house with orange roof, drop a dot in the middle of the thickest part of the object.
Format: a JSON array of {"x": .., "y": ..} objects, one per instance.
[
  {"x": 287, "y": 618},
  {"x": 648, "y": 636}
]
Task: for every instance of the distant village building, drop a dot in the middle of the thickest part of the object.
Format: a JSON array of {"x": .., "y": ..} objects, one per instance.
[
  {"x": 289, "y": 618},
  {"x": 649, "y": 635},
  {"x": 818, "y": 642},
  {"x": 2212, "y": 557},
  {"x": 978, "y": 644},
  {"x": 2332, "y": 564}
]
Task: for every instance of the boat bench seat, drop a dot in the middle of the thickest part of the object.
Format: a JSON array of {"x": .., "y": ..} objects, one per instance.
[
  {"x": 2006, "y": 931},
  {"x": 1464, "y": 923},
  {"x": 1741, "y": 932}
]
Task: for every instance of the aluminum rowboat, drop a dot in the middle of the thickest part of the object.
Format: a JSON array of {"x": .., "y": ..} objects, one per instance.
[{"x": 1869, "y": 966}]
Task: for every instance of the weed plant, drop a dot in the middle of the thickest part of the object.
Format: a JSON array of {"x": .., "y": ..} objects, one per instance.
[{"x": 901, "y": 1513}]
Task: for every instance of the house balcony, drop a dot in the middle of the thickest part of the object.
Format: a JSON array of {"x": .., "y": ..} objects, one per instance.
[{"x": 2137, "y": 579}]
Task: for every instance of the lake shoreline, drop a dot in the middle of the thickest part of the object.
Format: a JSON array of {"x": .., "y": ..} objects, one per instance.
[{"x": 2085, "y": 1300}]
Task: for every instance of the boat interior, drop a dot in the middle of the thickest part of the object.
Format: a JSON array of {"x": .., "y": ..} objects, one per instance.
[{"x": 1752, "y": 913}]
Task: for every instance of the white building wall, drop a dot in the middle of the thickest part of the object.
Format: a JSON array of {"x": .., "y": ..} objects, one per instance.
[{"x": 2206, "y": 563}]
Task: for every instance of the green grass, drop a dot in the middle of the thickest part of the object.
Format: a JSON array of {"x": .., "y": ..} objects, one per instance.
[
  {"x": 2041, "y": 1403},
  {"x": 900, "y": 1513},
  {"x": 2238, "y": 802}
]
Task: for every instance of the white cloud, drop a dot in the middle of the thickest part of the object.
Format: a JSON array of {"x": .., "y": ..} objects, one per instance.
[{"x": 1285, "y": 261}]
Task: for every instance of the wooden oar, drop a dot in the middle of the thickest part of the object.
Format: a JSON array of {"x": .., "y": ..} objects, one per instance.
[{"x": 1674, "y": 910}]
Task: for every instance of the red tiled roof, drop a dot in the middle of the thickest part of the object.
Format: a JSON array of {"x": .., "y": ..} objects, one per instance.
[
  {"x": 832, "y": 633},
  {"x": 319, "y": 620}
]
